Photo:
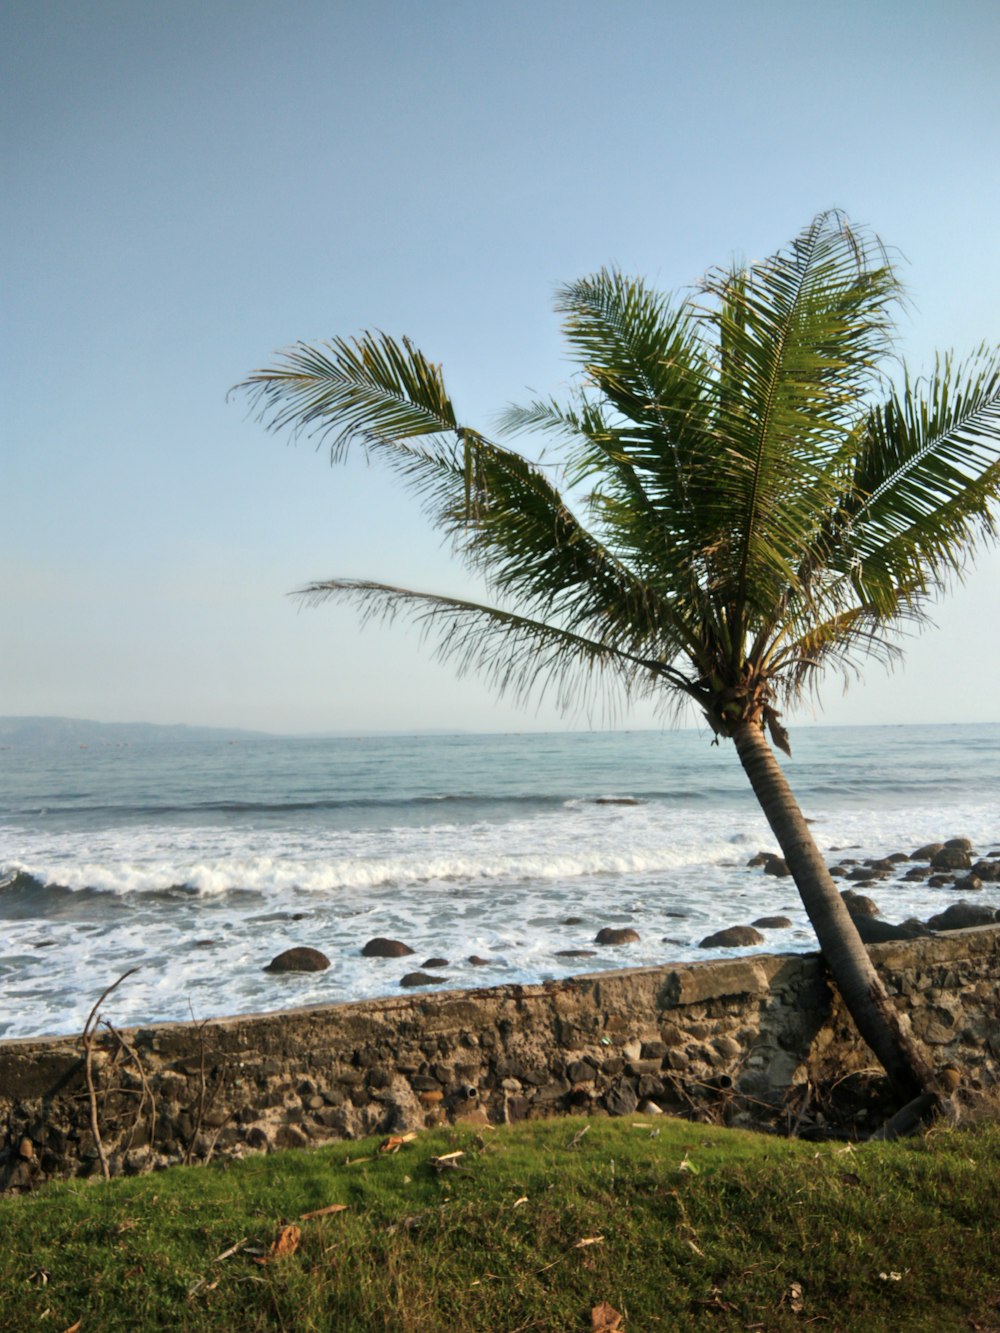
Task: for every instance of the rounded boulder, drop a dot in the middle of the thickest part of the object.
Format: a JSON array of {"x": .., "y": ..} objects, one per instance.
[
  {"x": 383, "y": 948},
  {"x": 299, "y": 959},
  {"x": 733, "y": 937},
  {"x": 611, "y": 935}
]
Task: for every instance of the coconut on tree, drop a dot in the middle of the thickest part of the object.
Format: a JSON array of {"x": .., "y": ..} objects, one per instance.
[{"x": 750, "y": 490}]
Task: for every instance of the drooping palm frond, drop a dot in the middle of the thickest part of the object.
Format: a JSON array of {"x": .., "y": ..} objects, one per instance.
[
  {"x": 369, "y": 388},
  {"x": 517, "y": 654},
  {"x": 927, "y": 481},
  {"x": 502, "y": 513},
  {"x": 798, "y": 656}
]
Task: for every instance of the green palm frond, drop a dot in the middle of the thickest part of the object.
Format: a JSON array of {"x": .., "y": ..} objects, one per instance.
[
  {"x": 502, "y": 513},
  {"x": 366, "y": 388},
  {"x": 799, "y": 339},
  {"x": 647, "y": 361},
  {"x": 928, "y": 478},
  {"x": 517, "y": 654}
]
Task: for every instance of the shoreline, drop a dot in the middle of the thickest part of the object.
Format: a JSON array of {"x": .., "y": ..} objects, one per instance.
[{"x": 966, "y": 885}]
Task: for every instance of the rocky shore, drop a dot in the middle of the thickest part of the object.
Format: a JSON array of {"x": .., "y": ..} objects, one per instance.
[{"x": 953, "y": 866}]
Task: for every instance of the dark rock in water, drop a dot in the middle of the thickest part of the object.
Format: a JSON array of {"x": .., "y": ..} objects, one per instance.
[
  {"x": 733, "y": 937},
  {"x": 838, "y": 872},
  {"x": 616, "y": 800},
  {"x": 383, "y": 948},
  {"x": 987, "y": 870},
  {"x": 300, "y": 959},
  {"x": 576, "y": 953},
  {"x": 761, "y": 859},
  {"x": 609, "y": 935},
  {"x": 776, "y": 865},
  {"x": 476, "y": 961},
  {"x": 859, "y": 905},
  {"x": 573, "y": 921},
  {"x": 884, "y": 863},
  {"x": 880, "y": 932},
  {"x": 960, "y": 844},
  {"x": 772, "y": 922},
  {"x": 865, "y": 874},
  {"x": 939, "y": 881},
  {"x": 434, "y": 962},
  {"x": 917, "y": 872},
  {"x": 961, "y": 916},
  {"x": 420, "y": 979},
  {"x": 968, "y": 884},
  {"x": 925, "y": 853},
  {"x": 951, "y": 858}
]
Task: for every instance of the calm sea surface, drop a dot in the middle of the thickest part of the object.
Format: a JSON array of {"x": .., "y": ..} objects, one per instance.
[{"x": 197, "y": 861}]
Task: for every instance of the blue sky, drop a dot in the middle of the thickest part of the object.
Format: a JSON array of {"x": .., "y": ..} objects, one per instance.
[{"x": 192, "y": 186}]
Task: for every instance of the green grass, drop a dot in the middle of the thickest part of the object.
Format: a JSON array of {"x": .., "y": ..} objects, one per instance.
[{"x": 700, "y": 1228}]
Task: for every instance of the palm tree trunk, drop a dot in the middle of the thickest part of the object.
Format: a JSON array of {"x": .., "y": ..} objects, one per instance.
[{"x": 881, "y": 1025}]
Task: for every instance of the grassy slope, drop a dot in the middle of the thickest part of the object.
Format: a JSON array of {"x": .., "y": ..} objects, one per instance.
[{"x": 702, "y": 1228}]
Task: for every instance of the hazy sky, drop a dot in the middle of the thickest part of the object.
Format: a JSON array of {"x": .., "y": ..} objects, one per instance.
[{"x": 191, "y": 186}]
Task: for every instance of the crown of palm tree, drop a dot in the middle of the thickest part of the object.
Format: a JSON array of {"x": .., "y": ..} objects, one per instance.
[{"x": 745, "y": 493}]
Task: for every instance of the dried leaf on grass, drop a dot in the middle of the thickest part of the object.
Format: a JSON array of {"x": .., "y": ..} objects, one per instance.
[
  {"x": 287, "y": 1241},
  {"x": 74, "y": 1327},
  {"x": 604, "y": 1318},
  {"x": 396, "y": 1141},
  {"x": 323, "y": 1212},
  {"x": 584, "y": 1241},
  {"x": 284, "y": 1246},
  {"x": 795, "y": 1301}
]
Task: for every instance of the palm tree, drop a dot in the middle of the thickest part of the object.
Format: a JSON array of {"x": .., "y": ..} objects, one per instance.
[{"x": 747, "y": 498}]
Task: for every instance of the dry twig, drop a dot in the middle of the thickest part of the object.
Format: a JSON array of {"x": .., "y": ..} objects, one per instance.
[{"x": 87, "y": 1040}]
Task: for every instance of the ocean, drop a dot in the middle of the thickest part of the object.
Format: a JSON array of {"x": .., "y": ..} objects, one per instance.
[{"x": 198, "y": 860}]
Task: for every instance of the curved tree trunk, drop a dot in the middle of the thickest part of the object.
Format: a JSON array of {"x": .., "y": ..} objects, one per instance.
[{"x": 881, "y": 1025}]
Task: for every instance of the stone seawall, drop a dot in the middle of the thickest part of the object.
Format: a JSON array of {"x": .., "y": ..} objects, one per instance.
[{"x": 755, "y": 1040}]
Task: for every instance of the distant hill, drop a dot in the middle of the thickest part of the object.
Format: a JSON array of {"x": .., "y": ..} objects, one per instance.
[{"x": 59, "y": 731}]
